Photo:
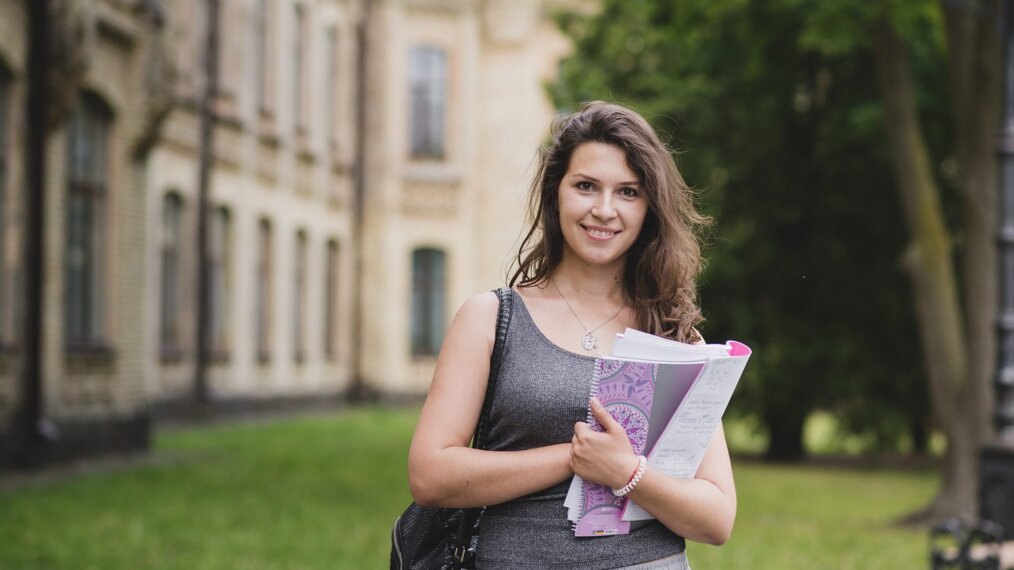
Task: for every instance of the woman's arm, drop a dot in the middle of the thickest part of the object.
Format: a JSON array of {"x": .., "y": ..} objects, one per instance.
[
  {"x": 442, "y": 470},
  {"x": 701, "y": 509}
]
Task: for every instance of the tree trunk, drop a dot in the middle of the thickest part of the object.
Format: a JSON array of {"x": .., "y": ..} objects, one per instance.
[
  {"x": 932, "y": 272},
  {"x": 975, "y": 70}
]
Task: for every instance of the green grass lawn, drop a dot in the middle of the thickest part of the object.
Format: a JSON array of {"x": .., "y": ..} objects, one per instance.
[{"x": 321, "y": 492}]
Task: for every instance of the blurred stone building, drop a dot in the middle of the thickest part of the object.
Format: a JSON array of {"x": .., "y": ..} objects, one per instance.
[{"x": 371, "y": 159}]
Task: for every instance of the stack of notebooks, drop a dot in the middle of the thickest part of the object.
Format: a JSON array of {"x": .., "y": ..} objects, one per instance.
[{"x": 670, "y": 397}]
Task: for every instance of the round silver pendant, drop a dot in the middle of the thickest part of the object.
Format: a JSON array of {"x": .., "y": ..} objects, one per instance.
[{"x": 589, "y": 342}]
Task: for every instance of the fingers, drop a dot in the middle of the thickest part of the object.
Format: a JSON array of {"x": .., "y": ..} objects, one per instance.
[
  {"x": 584, "y": 435},
  {"x": 602, "y": 416},
  {"x": 601, "y": 457}
]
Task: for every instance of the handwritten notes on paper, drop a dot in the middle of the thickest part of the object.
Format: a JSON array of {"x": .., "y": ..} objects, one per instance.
[
  {"x": 681, "y": 447},
  {"x": 683, "y": 443},
  {"x": 680, "y": 392}
]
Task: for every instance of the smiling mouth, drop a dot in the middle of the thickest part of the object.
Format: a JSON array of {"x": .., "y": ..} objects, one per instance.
[{"x": 600, "y": 233}]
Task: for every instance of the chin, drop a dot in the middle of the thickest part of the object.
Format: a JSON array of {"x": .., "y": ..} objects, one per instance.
[{"x": 602, "y": 259}]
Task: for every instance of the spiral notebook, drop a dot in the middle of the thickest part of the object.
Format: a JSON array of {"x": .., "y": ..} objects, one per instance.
[{"x": 669, "y": 397}]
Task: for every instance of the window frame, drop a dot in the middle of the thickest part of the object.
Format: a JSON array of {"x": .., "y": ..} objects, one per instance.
[
  {"x": 331, "y": 264},
  {"x": 331, "y": 63},
  {"x": 264, "y": 294},
  {"x": 170, "y": 300},
  {"x": 220, "y": 282},
  {"x": 87, "y": 192},
  {"x": 427, "y": 100},
  {"x": 299, "y": 52},
  {"x": 428, "y": 301},
  {"x": 299, "y": 284},
  {"x": 260, "y": 55}
]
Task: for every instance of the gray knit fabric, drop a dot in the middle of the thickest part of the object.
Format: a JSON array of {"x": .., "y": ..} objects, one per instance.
[{"x": 541, "y": 392}]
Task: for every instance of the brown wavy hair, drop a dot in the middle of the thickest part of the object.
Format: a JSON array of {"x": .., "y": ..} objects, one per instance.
[{"x": 660, "y": 278}]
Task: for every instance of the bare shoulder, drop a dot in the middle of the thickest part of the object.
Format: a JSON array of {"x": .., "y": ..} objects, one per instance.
[
  {"x": 477, "y": 316},
  {"x": 481, "y": 306}
]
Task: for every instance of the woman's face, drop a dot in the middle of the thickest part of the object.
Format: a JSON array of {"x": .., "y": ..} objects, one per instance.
[{"x": 602, "y": 207}]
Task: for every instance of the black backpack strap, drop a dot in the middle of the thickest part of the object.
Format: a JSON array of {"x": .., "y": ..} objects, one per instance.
[{"x": 503, "y": 320}]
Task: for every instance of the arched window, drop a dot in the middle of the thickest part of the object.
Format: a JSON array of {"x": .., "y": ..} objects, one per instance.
[
  {"x": 85, "y": 247},
  {"x": 171, "y": 276},
  {"x": 263, "y": 298},
  {"x": 330, "y": 300},
  {"x": 427, "y": 301},
  {"x": 427, "y": 69},
  {"x": 219, "y": 253},
  {"x": 299, "y": 298}
]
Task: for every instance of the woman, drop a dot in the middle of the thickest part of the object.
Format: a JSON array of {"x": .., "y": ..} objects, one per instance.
[{"x": 611, "y": 244}]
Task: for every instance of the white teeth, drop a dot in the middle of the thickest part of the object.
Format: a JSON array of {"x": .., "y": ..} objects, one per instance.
[{"x": 600, "y": 233}]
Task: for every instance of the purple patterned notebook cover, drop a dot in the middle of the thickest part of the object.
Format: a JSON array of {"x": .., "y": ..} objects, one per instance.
[{"x": 626, "y": 390}]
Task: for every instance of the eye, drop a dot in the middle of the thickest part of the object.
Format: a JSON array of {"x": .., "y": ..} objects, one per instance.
[
  {"x": 629, "y": 192},
  {"x": 585, "y": 186}
]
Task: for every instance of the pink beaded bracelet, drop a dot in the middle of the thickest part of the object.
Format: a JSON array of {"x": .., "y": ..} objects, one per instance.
[{"x": 642, "y": 464}]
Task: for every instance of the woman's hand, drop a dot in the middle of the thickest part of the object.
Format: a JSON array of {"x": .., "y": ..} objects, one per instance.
[{"x": 606, "y": 457}]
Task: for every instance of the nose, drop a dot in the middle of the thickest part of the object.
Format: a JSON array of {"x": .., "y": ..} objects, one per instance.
[{"x": 603, "y": 208}]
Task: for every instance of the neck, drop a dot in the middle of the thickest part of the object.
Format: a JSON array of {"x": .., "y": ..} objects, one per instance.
[{"x": 582, "y": 281}]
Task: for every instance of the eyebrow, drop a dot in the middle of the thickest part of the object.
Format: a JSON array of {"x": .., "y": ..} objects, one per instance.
[{"x": 596, "y": 180}]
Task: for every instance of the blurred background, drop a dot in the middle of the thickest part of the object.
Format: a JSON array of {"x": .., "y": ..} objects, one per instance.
[
  {"x": 348, "y": 172},
  {"x": 219, "y": 210}
]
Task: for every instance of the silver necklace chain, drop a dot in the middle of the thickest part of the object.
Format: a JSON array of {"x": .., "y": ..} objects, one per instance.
[{"x": 589, "y": 341}]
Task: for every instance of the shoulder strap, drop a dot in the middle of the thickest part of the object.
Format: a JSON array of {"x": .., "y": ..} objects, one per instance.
[
  {"x": 503, "y": 321},
  {"x": 464, "y": 545}
]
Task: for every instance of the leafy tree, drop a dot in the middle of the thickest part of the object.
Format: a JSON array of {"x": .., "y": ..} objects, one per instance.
[
  {"x": 781, "y": 106},
  {"x": 951, "y": 257},
  {"x": 786, "y": 143}
]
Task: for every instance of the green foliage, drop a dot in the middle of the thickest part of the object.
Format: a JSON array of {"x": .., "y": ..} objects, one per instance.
[
  {"x": 322, "y": 493},
  {"x": 773, "y": 108}
]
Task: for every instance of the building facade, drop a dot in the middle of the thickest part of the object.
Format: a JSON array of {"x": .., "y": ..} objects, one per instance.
[
  {"x": 459, "y": 110},
  {"x": 370, "y": 165},
  {"x": 280, "y": 272},
  {"x": 102, "y": 97}
]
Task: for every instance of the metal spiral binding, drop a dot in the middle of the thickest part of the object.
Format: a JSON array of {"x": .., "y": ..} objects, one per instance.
[{"x": 596, "y": 377}]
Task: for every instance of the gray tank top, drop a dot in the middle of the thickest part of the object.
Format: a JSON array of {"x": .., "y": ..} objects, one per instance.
[{"x": 542, "y": 390}]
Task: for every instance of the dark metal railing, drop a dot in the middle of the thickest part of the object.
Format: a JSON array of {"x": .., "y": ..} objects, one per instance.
[{"x": 966, "y": 545}]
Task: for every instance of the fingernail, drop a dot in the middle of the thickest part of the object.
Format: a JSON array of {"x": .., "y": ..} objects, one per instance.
[{"x": 595, "y": 402}]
